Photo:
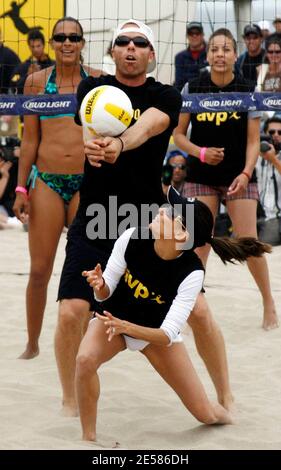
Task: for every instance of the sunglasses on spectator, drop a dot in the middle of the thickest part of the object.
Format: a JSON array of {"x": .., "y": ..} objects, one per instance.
[
  {"x": 274, "y": 131},
  {"x": 274, "y": 52},
  {"x": 63, "y": 37},
  {"x": 138, "y": 41},
  {"x": 181, "y": 166}
]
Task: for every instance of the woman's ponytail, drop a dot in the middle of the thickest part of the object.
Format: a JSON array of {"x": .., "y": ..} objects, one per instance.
[{"x": 238, "y": 249}]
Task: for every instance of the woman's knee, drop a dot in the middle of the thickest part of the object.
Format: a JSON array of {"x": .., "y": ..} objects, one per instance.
[
  {"x": 40, "y": 274},
  {"x": 86, "y": 365},
  {"x": 201, "y": 316}
]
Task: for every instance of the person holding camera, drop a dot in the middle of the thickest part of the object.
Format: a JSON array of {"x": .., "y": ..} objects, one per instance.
[
  {"x": 269, "y": 181},
  {"x": 174, "y": 171},
  {"x": 37, "y": 61}
]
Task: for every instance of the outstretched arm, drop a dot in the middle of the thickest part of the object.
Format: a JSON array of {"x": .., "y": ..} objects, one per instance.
[
  {"x": 118, "y": 327},
  {"x": 104, "y": 284},
  {"x": 22, "y": 3},
  {"x": 151, "y": 123}
]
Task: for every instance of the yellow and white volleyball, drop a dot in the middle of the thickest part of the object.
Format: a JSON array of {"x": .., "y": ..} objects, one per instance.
[{"x": 106, "y": 111}]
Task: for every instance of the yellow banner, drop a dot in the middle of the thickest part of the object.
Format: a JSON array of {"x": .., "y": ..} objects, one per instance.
[{"x": 17, "y": 18}]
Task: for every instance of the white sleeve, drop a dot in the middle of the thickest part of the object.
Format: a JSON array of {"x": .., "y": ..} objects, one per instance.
[
  {"x": 116, "y": 264},
  {"x": 182, "y": 304}
]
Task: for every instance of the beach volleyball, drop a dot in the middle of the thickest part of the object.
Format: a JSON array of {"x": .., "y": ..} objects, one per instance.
[{"x": 106, "y": 111}]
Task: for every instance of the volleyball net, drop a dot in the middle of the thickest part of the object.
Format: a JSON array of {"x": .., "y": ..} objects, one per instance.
[{"x": 167, "y": 18}]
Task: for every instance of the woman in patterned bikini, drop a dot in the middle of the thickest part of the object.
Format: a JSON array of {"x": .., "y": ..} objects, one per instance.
[{"x": 52, "y": 147}]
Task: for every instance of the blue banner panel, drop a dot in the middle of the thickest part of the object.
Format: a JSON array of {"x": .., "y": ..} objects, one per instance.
[{"x": 48, "y": 105}]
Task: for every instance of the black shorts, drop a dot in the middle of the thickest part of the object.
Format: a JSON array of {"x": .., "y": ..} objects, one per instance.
[{"x": 81, "y": 255}]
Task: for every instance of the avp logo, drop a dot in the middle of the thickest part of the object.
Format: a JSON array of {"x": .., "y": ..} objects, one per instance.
[{"x": 272, "y": 102}]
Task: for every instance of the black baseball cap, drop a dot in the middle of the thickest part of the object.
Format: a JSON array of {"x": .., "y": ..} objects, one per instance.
[
  {"x": 252, "y": 29},
  {"x": 194, "y": 25},
  {"x": 203, "y": 218}
]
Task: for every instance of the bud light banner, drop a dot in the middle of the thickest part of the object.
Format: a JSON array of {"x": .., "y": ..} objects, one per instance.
[
  {"x": 243, "y": 102},
  {"x": 48, "y": 105},
  {"x": 44, "y": 105}
]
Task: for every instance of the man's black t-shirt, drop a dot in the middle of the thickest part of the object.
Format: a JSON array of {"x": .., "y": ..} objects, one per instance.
[
  {"x": 8, "y": 62},
  {"x": 21, "y": 72},
  {"x": 250, "y": 64},
  {"x": 219, "y": 129},
  {"x": 136, "y": 175}
]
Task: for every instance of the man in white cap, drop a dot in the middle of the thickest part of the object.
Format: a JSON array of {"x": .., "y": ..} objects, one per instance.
[{"x": 126, "y": 169}]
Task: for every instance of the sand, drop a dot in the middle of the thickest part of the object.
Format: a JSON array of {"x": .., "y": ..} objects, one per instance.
[{"x": 137, "y": 409}]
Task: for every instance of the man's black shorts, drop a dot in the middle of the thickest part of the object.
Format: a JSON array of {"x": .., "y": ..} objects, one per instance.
[{"x": 81, "y": 255}]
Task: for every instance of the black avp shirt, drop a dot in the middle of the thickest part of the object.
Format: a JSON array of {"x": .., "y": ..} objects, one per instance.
[
  {"x": 145, "y": 293},
  {"x": 136, "y": 175},
  {"x": 219, "y": 129}
]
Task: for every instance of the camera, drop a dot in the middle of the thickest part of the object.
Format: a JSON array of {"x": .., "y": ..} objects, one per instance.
[
  {"x": 167, "y": 173},
  {"x": 265, "y": 140},
  {"x": 7, "y": 147}
]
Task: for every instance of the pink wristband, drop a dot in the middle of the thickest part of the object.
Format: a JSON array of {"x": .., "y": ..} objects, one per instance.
[
  {"x": 202, "y": 154},
  {"x": 21, "y": 189}
]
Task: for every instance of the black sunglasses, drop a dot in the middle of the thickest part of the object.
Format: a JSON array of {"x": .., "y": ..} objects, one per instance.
[
  {"x": 274, "y": 52},
  {"x": 274, "y": 131},
  {"x": 63, "y": 37},
  {"x": 138, "y": 41},
  {"x": 181, "y": 166}
]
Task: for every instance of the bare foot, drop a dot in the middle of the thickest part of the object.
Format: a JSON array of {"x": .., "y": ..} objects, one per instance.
[
  {"x": 89, "y": 437},
  {"x": 69, "y": 410},
  {"x": 29, "y": 353},
  {"x": 227, "y": 402},
  {"x": 223, "y": 416},
  {"x": 270, "y": 318}
]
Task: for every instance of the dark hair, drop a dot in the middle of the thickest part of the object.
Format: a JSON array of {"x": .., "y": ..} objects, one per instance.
[
  {"x": 35, "y": 34},
  {"x": 68, "y": 18},
  {"x": 228, "y": 249},
  {"x": 269, "y": 121},
  {"x": 223, "y": 32},
  {"x": 175, "y": 153},
  {"x": 238, "y": 249},
  {"x": 273, "y": 39},
  {"x": 73, "y": 20}
]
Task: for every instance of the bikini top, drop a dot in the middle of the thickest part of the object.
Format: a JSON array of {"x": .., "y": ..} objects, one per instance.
[{"x": 52, "y": 89}]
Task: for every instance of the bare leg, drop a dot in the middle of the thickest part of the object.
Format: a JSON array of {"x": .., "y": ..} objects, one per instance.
[
  {"x": 210, "y": 346},
  {"x": 72, "y": 208},
  {"x": 207, "y": 334},
  {"x": 175, "y": 366},
  {"x": 243, "y": 215},
  {"x": 95, "y": 349},
  {"x": 73, "y": 317},
  {"x": 45, "y": 225}
]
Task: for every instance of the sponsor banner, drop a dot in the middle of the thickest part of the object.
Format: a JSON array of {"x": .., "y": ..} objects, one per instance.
[
  {"x": 243, "y": 102},
  {"x": 195, "y": 103},
  {"x": 44, "y": 105}
]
